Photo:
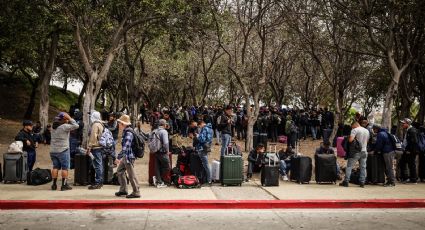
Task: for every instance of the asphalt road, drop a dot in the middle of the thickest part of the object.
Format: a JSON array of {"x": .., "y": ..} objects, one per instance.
[{"x": 214, "y": 219}]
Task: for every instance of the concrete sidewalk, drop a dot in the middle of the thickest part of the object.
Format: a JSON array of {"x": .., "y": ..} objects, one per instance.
[{"x": 248, "y": 191}]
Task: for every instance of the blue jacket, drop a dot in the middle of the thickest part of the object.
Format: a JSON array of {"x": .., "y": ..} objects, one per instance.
[
  {"x": 205, "y": 137},
  {"x": 383, "y": 142}
]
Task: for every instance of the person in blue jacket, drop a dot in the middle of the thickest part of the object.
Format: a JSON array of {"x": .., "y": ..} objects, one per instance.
[
  {"x": 385, "y": 147},
  {"x": 203, "y": 144}
]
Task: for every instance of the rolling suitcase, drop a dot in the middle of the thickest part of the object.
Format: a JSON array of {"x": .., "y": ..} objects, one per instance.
[
  {"x": 301, "y": 167},
  {"x": 340, "y": 152},
  {"x": 215, "y": 171},
  {"x": 270, "y": 171},
  {"x": 325, "y": 168},
  {"x": 108, "y": 169},
  {"x": 15, "y": 167},
  {"x": 82, "y": 175},
  {"x": 166, "y": 177},
  {"x": 196, "y": 167},
  {"x": 231, "y": 169},
  {"x": 375, "y": 169}
]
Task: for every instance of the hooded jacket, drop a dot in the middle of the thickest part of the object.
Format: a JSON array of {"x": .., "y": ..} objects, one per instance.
[
  {"x": 205, "y": 138},
  {"x": 383, "y": 142},
  {"x": 96, "y": 130}
]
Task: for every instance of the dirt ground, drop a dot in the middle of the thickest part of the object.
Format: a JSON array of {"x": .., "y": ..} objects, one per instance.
[{"x": 9, "y": 129}]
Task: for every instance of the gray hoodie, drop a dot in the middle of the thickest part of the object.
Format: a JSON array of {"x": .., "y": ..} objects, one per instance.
[{"x": 60, "y": 136}]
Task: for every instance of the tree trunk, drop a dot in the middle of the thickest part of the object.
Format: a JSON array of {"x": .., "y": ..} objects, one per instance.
[
  {"x": 31, "y": 104},
  {"x": 92, "y": 89},
  {"x": 45, "y": 80},
  {"x": 81, "y": 95},
  {"x": 65, "y": 85}
]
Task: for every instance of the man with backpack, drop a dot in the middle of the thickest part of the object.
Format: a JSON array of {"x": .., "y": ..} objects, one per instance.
[
  {"x": 126, "y": 159},
  {"x": 158, "y": 144},
  {"x": 203, "y": 146},
  {"x": 96, "y": 149},
  {"x": 411, "y": 150},
  {"x": 385, "y": 145},
  {"x": 358, "y": 152}
]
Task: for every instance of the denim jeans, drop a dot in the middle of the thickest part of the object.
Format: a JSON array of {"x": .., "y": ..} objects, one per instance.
[
  {"x": 225, "y": 141},
  {"x": 204, "y": 159},
  {"x": 97, "y": 165},
  {"x": 218, "y": 136},
  {"x": 285, "y": 166},
  {"x": 361, "y": 157},
  {"x": 314, "y": 132},
  {"x": 31, "y": 159}
]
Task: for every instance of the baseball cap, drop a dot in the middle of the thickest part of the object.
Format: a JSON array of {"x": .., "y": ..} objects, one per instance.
[
  {"x": 406, "y": 121},
  {"x": 27, "y": 123}
]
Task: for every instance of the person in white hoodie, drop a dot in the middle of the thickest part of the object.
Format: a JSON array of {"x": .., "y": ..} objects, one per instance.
[{"x": 96, "y": 149}]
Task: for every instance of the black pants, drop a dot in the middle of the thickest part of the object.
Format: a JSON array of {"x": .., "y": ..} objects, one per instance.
[
  {"x": 409, "y": 159},
  {"x": 162, "y": 165},
  {"x": 422, "y": 166}
]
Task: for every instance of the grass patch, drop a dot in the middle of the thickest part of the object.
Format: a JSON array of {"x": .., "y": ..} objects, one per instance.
[{"x": 60, "y": 100}]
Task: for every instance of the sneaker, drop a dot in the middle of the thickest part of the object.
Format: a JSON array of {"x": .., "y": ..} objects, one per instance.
[
  {"x": 121, "y": 194},
  {"x": 361, "y": 185},
  {"x": 162, "y": 185},
  {"x": 154, "y": 180},
  {"x": 389, "y": 185},
  {"x": 285, "y": 178},
  {"x": 96, "y": 186},
  {"x": 132, "y": 196},
  {"x": 54, "y": 187},
  {"x": 405, "y": 181},
  {"x": 66, "y": 187},
  {"x": 343, "y": 184}
]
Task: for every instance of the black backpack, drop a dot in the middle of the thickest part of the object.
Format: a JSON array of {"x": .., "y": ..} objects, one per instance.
[
  {"x": 39, "y": 176},
  {"x": 138, "y": 144},
  {"x": 350, "y": 148}
]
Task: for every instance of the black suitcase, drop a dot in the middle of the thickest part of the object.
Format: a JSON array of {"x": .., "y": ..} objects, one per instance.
[
  {"x": 270, "y": 174},
  {"x": 108, "y": 169},
  {"x": 82, "y": 169},
  {"x": 325, "y": 168},
  {"x": 196, "y": 167},
  {"x": 301, "y": 168},
  {"x": 375, "y": 167}
]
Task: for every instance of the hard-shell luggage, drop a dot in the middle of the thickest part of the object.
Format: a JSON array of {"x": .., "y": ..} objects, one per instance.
[
  {"x": 301, "y": 168},
  {"x": 39, "y": 176},
  {"x": 15, "y": 167},
  {"x": 375, "y": 169},
  {"x": 108, "y": 169},
  {"x": 215, "y": 171},
  {"x": 231, "y": 169},
  {"x": 340, "y": 152},
  {"x": 197, "y": 168},
  {"x": 325, "y": 169},
  {"x": 166, "y": 177},
  {"x": 82, "y": 175},
  {"x": 270, "y": 171}
]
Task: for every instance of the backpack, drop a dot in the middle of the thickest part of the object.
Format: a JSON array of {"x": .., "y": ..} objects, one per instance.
[
  {"x": 188, "y": 182},
  {"x": 106, "y": 140},
  {"x": 39, "y": 176},
  {"x": 155, "y": 143},
  {"x": 421, "y": 142},
  {"x": 350, "y": 148},
  {"x": 137, "y": 144},
  {"x": 395, "y": 142},
  {"x": 220, "y": 127}
]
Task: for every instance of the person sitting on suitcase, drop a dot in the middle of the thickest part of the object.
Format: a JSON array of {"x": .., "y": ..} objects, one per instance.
[
  {"x": 125, "y": 160},
  {"x": 255, "y": 160},
  {"x": 59, "y": 148},
  {"x": 30, "y": 144},
  {"x": 325, "y": 148},
  {"x": 203, "y": 146},
  {"x": 285, "y": 162}
]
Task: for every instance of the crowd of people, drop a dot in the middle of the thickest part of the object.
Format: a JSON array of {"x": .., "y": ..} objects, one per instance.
[{"x": 225, "y": 124}]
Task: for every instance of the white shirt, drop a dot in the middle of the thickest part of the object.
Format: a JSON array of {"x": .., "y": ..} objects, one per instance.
[{"x": 362, "y": 135}]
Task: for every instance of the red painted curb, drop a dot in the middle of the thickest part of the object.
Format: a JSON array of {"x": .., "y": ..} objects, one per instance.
[{"x": 210, "y": 204}]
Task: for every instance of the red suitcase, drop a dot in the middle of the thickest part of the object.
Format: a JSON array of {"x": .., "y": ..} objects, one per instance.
[
  {"x": 340, "y": 152},
  {"x": 166, "y": 177}
]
